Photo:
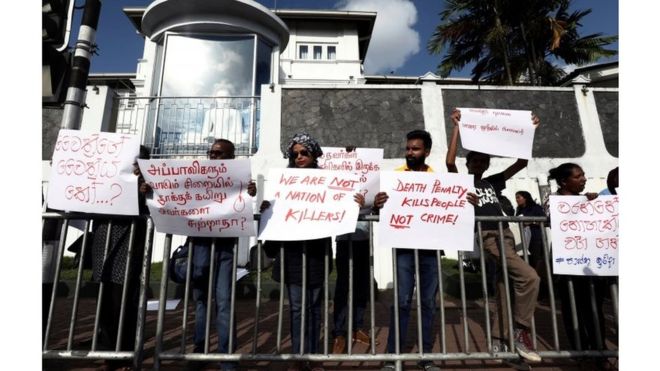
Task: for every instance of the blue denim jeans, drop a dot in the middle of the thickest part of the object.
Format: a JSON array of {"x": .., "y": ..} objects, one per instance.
[
  {"x": 361, "y": 280},
  {"x": 428, "y": 281},
  {"x": 312, "y": 317},
  {"x": 222, "y": 292}
]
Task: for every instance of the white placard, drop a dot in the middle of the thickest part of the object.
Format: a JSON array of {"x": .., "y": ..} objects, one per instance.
[
  {"x": 365, "y": 162},
  {"x": 585, "y": 235},
  {"x": 508, "y": 133},
  {"x": 426, "y": 211},
  {"x": 308, "y": 204},
  {"x": 93, "y": 173},
  {"x": 202, "y": 198}
]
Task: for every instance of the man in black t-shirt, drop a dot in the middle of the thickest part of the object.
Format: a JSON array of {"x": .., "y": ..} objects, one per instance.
[{"x": 524, "y": 277}]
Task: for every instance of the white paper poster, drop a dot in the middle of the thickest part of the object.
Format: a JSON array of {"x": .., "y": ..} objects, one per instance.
[
  {"x": 585, "y": 235},
  {"x": 309, "y": 204},
  {"x": 508, "y": 133},
  {"x": 93, "y": 173},
  {"x": 206, "y": 198},
  {"x": 365, "y": 162},
  {"x": 426, "y": 211}
]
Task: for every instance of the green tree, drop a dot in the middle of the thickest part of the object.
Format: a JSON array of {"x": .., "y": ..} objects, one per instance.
[{"x": 513, "y": 40}]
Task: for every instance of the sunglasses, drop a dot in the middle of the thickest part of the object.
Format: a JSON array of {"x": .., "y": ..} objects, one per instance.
[{"x": 304, "y": 153}]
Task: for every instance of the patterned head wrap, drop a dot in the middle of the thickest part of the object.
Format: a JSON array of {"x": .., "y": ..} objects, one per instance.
[{"x": 307, "y": 141}]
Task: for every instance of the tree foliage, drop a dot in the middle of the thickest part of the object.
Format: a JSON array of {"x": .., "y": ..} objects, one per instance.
[{"x": 513, "y": 41}]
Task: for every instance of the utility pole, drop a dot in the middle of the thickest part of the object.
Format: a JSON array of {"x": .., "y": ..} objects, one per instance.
[{"x": 75, "y": 95}]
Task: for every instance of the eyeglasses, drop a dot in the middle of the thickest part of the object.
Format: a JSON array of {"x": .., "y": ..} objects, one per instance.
[
  {"x": 304, "y": 153},
  {"x": 214, "y": 153}
]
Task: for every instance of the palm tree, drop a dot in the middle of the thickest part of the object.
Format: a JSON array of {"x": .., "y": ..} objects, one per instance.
[{"x": 511, "y": 41}]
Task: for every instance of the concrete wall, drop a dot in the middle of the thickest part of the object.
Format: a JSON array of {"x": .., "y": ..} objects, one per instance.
[{"x": 577, "y": 126}]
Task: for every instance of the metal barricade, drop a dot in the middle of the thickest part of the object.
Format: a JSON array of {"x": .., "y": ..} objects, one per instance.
[
  {"x": 470, "y": 344},
  {"x": 76, "y": 341}
]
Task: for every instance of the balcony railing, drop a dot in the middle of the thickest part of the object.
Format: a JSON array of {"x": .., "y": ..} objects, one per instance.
[{"x": 186, "y": 126}]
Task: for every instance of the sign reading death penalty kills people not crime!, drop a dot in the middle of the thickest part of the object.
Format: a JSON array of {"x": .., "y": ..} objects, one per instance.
[
  {"x": 365, "y": 162},
  {"x": 93, "y": 173},
  {"x": 585, "y": 235},
  {"x": 426, "y": 211},
  {"x": 204, "y": 198},
  {"x": 309, "y": 204},
  {"x": 498, "y": 132}
]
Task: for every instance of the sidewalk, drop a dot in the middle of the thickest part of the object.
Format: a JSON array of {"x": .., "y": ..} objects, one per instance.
[{"x": 245, "y": 314}]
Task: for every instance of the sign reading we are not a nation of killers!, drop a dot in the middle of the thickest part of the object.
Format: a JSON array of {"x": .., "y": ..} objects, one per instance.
[
  {"x": 309, "y": 204},
  {"x": 202, "y": 198},
  {"x": 426, "y": 211},
  {"x": 508, "y": 133},
  {"x": 585, "y": 235},
  {"x": 93, "y": 173},
  {"x": 365, "y": 162}
]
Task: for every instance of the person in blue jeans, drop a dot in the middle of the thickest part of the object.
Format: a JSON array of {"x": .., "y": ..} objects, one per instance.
[
  {"x": 418, "y": 148},
  {"x": 303, "y": 152},
  {"x": 221, "y": 149}
]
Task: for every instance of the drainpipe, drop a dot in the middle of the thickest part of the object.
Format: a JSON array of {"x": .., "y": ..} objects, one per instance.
[{"x": 75, "y": 94}]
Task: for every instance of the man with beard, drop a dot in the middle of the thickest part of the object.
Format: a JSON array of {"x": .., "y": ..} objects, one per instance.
[{"x": 418, "y": 147}]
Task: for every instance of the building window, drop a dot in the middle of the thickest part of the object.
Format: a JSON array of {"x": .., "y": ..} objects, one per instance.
[
  {"x": 332, "y": 52},
  {"x": 318, "y": 52},
  {"x": 302, "y": 52}
]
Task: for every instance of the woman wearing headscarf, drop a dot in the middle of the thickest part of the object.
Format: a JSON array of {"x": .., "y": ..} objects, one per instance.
[{"x": 303, "y": 152}]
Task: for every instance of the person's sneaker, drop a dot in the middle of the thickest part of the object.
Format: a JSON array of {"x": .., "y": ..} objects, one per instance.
[
  {"x": 388, "y": 366},
  {"x": 339, "y": 345},
  {"x": 361, "y": 336},
  {"x": 524, "y": 347},
  {"x": 428, "y": 366}
]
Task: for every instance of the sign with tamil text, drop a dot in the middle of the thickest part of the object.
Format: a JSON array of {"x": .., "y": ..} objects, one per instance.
[
  {"x": 585, "y": 235},
  {"x": 508, "y": 133},
  {"x": 426, "y": 211},
  {"x": 202, "y": 198},
  {"x": 365, "y": 162},
  {"x": 309, "y": 204},
  {"x": 93, "y": 173}
]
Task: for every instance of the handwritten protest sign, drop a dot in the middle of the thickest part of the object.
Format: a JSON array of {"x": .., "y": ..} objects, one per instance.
[
  {"x": 309, "y": 204},
  {"x": 365, "y": 162},
  {"x": 585, "y": 235},
  {"x": 499, "y": 132},
  {"x": 426, "y": 211},
  {"x": 200, "y": 197},
  {"x": 93, "y": 173}
]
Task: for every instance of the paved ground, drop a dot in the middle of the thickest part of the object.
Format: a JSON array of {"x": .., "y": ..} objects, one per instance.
[{"x": 266, "y": 342}]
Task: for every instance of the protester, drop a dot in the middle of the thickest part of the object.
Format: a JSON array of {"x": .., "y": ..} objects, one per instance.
[
  {"x": 418, "y": 148},
  {"x": 303, "y": 152},
  {"x": 525, "y": 279},
  {"x": 571, "y": 180},
  {"x": 533, "y": 235},
  {"x": 361, "y": 280},
  {"x": 109, "y": 268},
  {"x": 612, "y": 183},
  {"x": 222, "y": 149}
]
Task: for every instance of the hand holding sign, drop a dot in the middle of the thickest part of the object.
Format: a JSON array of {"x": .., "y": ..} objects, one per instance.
[
  {"x": 507, "y": 133},
  {"x": 309, "y": 204},
  {"x": 585, "y": 235},
  {"x": 424, "y": 210},
  {"x": 93, "y": 172},
  {"x": 364, "y": 162},
  {"x": 200, "y": 197}
]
